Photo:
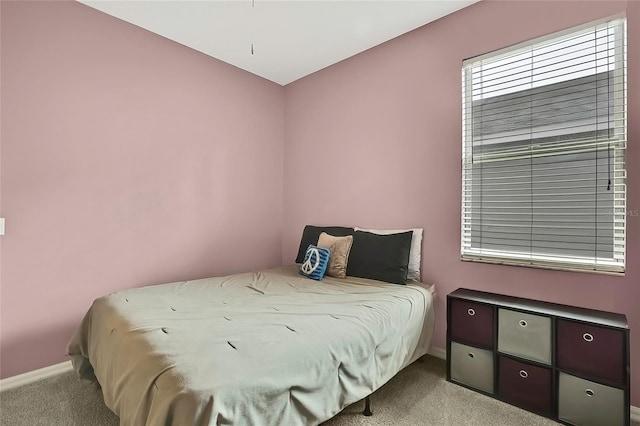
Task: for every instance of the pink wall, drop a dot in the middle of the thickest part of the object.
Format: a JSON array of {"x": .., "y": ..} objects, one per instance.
[
  {"x": 127, "y": 160},
  {"x": 377, "y": 140}
]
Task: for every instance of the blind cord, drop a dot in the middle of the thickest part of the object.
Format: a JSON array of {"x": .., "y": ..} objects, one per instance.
[
  {"x": 595, "y": 206},
  {"x": 531, "y": 161},
  {"x": 608, "y": 119}
]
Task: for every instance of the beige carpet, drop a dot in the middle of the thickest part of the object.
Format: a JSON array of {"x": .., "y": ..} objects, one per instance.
[{"x": 418, "y": 395}]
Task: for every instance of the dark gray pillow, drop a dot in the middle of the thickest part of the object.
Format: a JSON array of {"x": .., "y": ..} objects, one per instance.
[
  {"x": 311, "y": 234},
  {"x": 380, "y": 257}
]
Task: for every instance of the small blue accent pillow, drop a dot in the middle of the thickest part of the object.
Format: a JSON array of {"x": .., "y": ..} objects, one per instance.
[{"x": 315, "y": 262}]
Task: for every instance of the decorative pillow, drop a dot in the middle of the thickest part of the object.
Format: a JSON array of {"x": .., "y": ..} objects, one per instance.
[
  {"x": 380, "y": 257},
  {"x": 315, "y": 262},
  {"x": 340, "y": 248},
  {"x": 415, "y": 256},
  {"x": 311, "y": 234}
]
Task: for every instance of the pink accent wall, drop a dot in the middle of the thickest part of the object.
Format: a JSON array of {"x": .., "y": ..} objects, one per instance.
[
  {"x": 377, "y": 140},
  {"x": 127, "y": 160}
]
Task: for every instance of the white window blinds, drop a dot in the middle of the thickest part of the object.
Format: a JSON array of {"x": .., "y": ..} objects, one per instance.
[{"x": 544, "y": 137}]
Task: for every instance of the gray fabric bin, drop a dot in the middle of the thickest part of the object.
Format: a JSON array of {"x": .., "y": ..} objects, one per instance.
[
  {"x": 524, "y": 335},
  {"x": 472, "y": 366},
  {"x": 585, "y": 403}
]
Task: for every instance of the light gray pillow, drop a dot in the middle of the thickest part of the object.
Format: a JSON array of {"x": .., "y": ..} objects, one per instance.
[{"x": 340, "y": 248}]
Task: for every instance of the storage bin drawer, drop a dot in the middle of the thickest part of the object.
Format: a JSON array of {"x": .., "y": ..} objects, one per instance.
[
  {"x": 472, "y": 366},
  {"x": 591, "y": 350},
  {"x": 472, "y": 322},
  {"x": 585, "y": 403},
  {"x": 525, "y": 385},
  {"x": 524, "y": 335}
]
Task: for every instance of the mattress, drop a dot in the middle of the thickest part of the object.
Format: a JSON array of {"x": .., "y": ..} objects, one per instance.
[{"x": 263, "y": 348}]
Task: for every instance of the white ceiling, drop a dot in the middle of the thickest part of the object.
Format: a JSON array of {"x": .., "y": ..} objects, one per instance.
[{"x": 291, "y": 39}]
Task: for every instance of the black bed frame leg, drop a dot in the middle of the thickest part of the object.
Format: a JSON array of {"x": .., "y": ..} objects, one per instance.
[{"x": 367, "y": 407}]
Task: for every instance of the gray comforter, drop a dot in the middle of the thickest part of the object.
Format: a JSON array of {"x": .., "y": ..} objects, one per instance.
[{"x": 263, "y": 348}]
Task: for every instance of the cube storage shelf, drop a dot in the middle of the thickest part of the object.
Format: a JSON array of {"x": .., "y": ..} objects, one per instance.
[{"x": 566, "y": 363}]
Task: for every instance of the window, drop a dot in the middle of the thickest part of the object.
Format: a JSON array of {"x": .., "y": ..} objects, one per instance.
[{"x": 543, "y": 147}]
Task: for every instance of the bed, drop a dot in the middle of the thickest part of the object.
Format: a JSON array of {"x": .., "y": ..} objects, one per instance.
[{"x": 263, "y": 348}]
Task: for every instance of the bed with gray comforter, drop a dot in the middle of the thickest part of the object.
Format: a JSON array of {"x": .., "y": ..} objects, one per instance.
[{"x": 263, "y": 348}]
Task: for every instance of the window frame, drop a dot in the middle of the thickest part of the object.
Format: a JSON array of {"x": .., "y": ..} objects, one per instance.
[{"x": 618, "y": 240}]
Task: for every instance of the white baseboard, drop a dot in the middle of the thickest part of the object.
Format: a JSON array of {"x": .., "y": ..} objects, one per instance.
[
  {"x": 34, "y": 376},
  {"x": 442, "y": 354},
  {"x": 437, "y": 352}
]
